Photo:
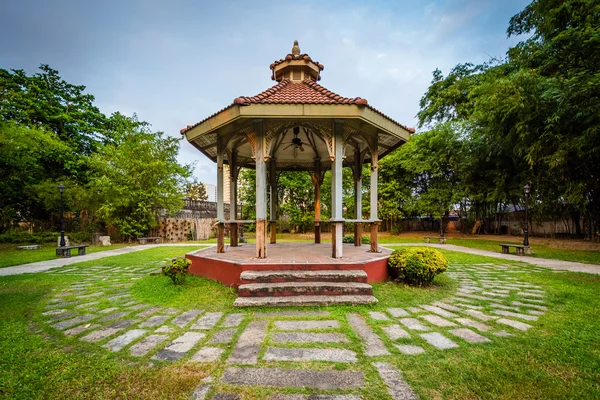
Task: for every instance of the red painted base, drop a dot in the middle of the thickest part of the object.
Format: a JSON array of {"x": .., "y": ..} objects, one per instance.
[{"x": 207, "y": 263}]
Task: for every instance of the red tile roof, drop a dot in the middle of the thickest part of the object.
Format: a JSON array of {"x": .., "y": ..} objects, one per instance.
[{"x": 304, "y": 92}]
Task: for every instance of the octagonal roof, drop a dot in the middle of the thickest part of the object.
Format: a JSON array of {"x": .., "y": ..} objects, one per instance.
[{"x": 297, "y": 108}]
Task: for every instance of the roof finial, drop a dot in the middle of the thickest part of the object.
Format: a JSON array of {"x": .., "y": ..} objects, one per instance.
[{"x": 296, "y": 49}]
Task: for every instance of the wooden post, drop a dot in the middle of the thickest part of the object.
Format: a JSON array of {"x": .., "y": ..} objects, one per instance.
[
  {"x": 317, "y": 179},
  {"x": 273, "y": 200},
  {"x": 374, "y": 173},
  {"x": 233, "y": 176},
  {"x": 261, "y": 190},
  {"x": 374, "y": 240},
  {"x": 357, "y": 175},
  {"x": 337, "y": 218},
  {"x": 220, "y": 204}
]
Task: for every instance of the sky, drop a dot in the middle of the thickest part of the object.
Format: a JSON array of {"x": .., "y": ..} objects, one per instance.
[{"x": 176, "y": 62}]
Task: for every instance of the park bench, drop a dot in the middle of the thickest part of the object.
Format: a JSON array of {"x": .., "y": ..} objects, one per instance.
[
  {"x": 66, "y": 251},
  {"x": 520, "y": 249},
  {"x": 441, "y": 239},
  {"x": 29, "y": 247},
  {"x": 146, "y": 240}
]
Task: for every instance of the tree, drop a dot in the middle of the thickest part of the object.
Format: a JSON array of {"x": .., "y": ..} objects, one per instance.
[
  {"x": 196, "y": 191},
  {"x": 135, "y": 178}
]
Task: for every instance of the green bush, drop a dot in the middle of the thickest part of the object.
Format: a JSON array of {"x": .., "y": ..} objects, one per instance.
[
  {"x": 177, "y": 269},
  {"x": 350, "y": 239},
  {"x": 417, "y": 265}
]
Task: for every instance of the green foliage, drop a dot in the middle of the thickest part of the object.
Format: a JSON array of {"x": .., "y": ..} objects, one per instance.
[
  {"x": 196, "y": 191},
  {"x": 350, "y": 239},
  {"x": 417, "y": 265},
  {"x": 136, "y": 176},
  {"x": 177, "y": 269},
  {"x": 43, "y": 237}
]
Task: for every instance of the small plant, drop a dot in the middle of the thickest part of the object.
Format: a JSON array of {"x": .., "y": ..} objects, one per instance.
[
  {"x": 177, "y": 269},
  {"x": 417, "y": 265},
  {"x": 350, "y": 239}
]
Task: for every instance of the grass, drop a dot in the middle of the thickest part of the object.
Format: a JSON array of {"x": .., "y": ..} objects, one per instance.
[
  {"x": 9, "y": 255},
  {"x": 559, "y": 358}
]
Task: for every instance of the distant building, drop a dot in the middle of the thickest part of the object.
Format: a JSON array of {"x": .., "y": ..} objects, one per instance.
[{"x": 211, "y": 190}]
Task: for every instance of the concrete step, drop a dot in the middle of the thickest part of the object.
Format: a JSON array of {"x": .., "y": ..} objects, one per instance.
[
  {"x": 273, "y": 276},
  {"x": 291, "y": 301},
  {"x": 304, "y": 289}
]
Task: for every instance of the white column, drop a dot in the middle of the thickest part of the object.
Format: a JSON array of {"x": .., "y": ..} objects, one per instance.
[
  {"x": 220, "y": 204},
  {"x": 336, "y": 189},
  {"x": 374, "y": 174},
  {"x": 261, "y": 191}
]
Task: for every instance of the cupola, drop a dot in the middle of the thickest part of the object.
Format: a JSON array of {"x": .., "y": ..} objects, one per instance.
[{"x": 296, "y": 67}]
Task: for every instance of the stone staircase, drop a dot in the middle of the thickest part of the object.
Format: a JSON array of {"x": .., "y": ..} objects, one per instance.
[{"x": 303, "y": 288}]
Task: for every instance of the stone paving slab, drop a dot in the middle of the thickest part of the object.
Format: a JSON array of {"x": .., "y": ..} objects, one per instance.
[
  {"x": 372, "y": 343},
  {"x": 54, "y": 312},
  {"x": 469, "y": 335},
  {"x": 473, "y": 324},
  {"x": 395, "y": 332},
  {"x": 409, "y": 349},
  {"x": 154, "y": 321},
  {"x": 445, "y": 306},
  {"x": 233, "y": 320},
  {"x": 248, "y": 345},
  {"x": 414, "y": 324},
  {"x": 146, "y": 345},
  {"x": 164, "y": 329},
  {"x": 178, "y": 347},
  {"x": 225, "y": 396},
  {"x": 398, "y": 388},
  {"x": 207, "y": 321},
  {"x": 438, "y": 340},
  {"x": 108, "y": 331},
  {"x": 398, "y": 312},
  {"x": 309, "y": 354},
  {"x": 223, "y": 336},
  {"x": 73, "y": 321},
  {"x": 480, "y": 315},
  {"x": 515, "y": 324},
  {"x": 200, "y": 392},
  {"x": 292, "y": 314},
  {"x": 148, "y": 312},
  {"x": 536, "y": 306},
  {"x": 113, "y": 316},
  {"x": 79, "y": 329},
  {"x": 121, "y": 341},
  {"x": 306, "y": 337},
  {"x": 378, "y": 316},
  {"x": 306, "y": 325},
  {"x": 185, "y": 318},
  {"x": 207, "y": 354},
  {"x": 516, "y": 315},
  {"x": 325, "y": 380},
  {"x": 438, "y": 321},
  {"x": 439, "y": 311}
]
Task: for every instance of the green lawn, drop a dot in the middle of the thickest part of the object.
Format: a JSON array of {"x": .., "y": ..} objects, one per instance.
[
  {"x": 559, "y": 358},
  {"x": 9, "y": 255}
]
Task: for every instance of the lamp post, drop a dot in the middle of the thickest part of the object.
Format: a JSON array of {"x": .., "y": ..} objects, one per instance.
[
  {"x": 527, "y": 190},
  {"x": 61, "y": 189}
]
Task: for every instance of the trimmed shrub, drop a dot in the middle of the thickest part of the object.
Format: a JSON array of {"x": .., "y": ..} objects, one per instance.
[
  {"x": 350, "y": 239},
  {"x": 417, "y": 265},
  {"x": 177, "y": 269}
]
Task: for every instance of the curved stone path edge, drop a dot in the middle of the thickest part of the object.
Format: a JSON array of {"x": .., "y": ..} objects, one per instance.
[{"x": 557, "y": 265}]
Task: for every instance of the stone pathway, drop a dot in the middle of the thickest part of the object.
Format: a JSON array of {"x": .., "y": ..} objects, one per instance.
[{"x": 308, "y": 350}]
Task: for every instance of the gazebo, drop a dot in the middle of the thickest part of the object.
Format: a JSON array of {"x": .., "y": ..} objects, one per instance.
[{"x": 297, "y": 124}]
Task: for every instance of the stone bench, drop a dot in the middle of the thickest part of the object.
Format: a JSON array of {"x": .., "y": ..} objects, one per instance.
[
  {"x": 146, "y": 240},
  {"x": 29, "y": 247},
  {"x": 66, "y": 251},
  {"x": 520, "y": 249},
  {"x": 441, "y": 239}
]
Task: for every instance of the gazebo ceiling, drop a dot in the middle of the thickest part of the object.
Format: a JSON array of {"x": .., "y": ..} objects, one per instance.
[{"x": 298, "y": 114}]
